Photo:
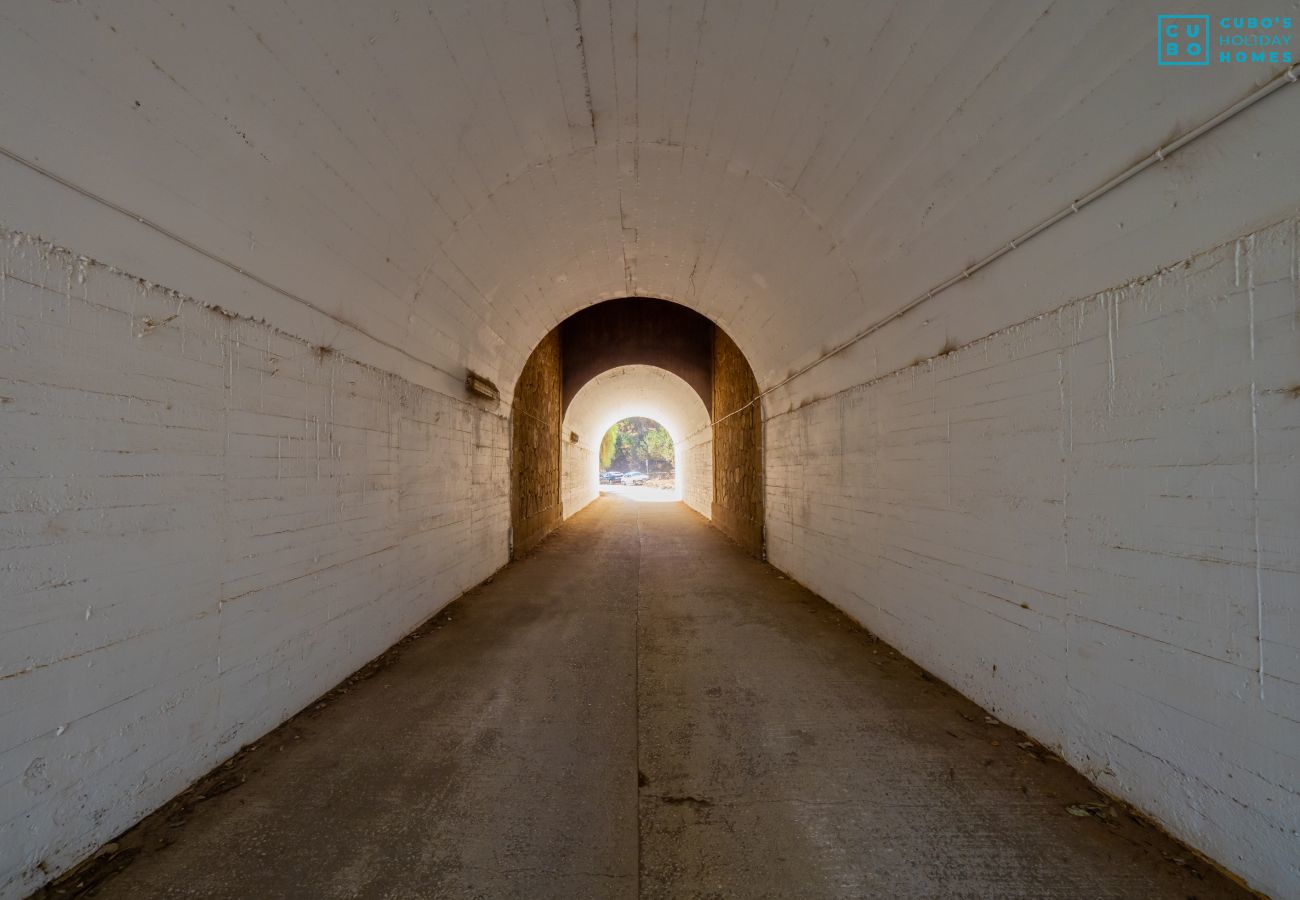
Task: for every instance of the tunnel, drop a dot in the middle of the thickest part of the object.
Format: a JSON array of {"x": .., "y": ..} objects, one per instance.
[
  {"x": 975, "y": 327},
  {"x": 647, "y": 392},
  {"x": 636, "y": 356}
]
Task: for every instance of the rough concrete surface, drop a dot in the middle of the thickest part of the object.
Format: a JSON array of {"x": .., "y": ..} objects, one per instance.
[
  {"x": 205, "y": 523},
  {"x": 737, "y": 447},
  {"x": 1089, "y": 524},
  {"x": 536, "y": 458},
  {"x": 638, "y": 708}
]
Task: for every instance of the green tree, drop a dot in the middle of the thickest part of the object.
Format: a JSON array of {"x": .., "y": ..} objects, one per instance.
[
  {"x": 629, "y": 447},
  {"x": 659, "y": 444},
  {"x": 636, "y": 443},
  {"x": 607, "y": 447}
]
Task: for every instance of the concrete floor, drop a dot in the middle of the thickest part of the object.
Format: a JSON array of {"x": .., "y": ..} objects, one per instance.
[{"x": 638, "y": 709}]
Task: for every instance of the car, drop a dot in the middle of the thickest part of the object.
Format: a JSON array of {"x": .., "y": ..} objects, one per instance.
[
  {"x": 635, "y": 478},
  {"x": 611, "y": 477}
]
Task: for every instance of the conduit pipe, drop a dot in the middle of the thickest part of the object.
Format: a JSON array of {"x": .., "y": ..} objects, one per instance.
[
  {"x": 1282, "y": 79},
  {"x": 219, "y": 260}
]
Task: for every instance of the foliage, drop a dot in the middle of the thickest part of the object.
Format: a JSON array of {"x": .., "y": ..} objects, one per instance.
[
  {"x": 637, "y": 443},
  {"x": 659, "y": 445},
  {"x": 607, "y": 448}
]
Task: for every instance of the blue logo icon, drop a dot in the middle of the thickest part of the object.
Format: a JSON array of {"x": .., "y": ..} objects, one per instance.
[{"x": 1182, "y": 40}]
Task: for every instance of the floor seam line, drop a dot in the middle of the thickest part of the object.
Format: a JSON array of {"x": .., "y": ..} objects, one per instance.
[{"x": 636, "y": 694}]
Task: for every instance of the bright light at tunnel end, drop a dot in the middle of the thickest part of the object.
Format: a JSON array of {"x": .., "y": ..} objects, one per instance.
[{"x": 637, "y": 391}]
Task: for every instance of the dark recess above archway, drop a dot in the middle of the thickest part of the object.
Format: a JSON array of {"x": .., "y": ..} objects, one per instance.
[{"x": 637, "y": 331}]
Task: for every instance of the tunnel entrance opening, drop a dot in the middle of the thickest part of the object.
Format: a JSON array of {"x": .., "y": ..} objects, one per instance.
[
  {"x": 637, "y": 460},
  {"x": 646, "y": 394},
  {"x": 636, "y": 357}
]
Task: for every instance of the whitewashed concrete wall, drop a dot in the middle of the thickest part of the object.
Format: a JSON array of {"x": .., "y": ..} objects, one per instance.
[
  {"x": 203, "y": 526},
  {"x": 581, "y": 477},
  {"x": 695, "y": 465},
  {"x": 1090, "y": 523}
]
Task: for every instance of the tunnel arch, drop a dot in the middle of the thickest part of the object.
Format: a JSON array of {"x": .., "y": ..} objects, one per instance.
[
  {"x": 617, "y": 354},
  {"x": 646, "y": 391},
  {"x": 678, "y": 254},
  {"x": 636, "y": 390}
]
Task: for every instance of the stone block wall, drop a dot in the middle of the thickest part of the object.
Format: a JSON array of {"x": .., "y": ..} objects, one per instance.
[
  {"x": 737, "y": 503},
  {"x": 536, "y": 464}
]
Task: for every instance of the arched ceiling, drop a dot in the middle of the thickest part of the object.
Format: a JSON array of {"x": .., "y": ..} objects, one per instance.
[
  {"x": 440, "y": 183},
  {"x": 635, "y": 391}
]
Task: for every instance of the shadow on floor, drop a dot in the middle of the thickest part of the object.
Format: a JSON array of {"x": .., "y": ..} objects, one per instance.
[{"x": 637, "y": 708}]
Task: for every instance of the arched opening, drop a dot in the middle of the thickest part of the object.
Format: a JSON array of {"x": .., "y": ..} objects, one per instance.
[
  {"x": 636, "y": 357},
  {"x": 637, "y": 461},
  {"x": 638, "y": 391}
]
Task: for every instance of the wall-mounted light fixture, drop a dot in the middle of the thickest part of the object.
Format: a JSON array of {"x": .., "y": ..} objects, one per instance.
[{"x": 482, "y": 387}]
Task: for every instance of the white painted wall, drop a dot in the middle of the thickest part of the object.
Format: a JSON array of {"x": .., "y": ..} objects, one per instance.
[
  {"x": 581, "y": 476},
  {"x": 695, "y": 462},
  {"x": 204, "y": 525},
  {"x": 793, "y": 171},
  {"x": 1089, "y": 522}
]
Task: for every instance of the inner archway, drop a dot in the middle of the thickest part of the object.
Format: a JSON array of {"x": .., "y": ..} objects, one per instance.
[
  {"x": 636, "y": 357},
  {"x": 638, "y": 462},
  {"x": 650, "y": 392}
]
